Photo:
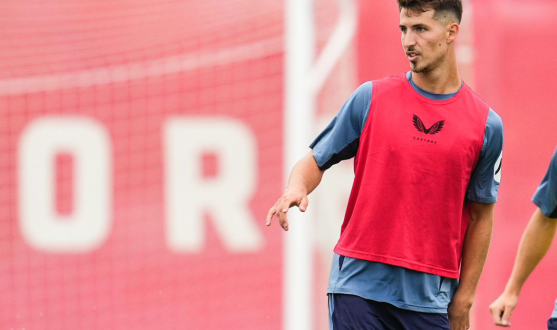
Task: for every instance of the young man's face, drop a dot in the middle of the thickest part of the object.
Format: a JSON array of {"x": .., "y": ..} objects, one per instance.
[{"x": 424, "y": 40}]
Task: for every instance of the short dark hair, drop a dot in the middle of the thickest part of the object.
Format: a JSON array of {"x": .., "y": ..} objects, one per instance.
[{"x": 420, "y": 6}]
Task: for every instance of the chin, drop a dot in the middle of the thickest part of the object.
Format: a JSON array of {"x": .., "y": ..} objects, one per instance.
[{"x": 419, "y": 69}]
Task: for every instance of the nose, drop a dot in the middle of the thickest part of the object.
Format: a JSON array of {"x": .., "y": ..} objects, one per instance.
[{"x": 408, "y": 39}]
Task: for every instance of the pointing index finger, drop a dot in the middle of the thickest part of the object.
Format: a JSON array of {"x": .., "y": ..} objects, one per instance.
[{"x": 270, "y": 215}]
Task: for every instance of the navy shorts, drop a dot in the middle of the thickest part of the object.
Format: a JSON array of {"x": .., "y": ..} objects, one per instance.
[
  {"x": 348, "y": 312},
  {"x": 552, "y": 324}
]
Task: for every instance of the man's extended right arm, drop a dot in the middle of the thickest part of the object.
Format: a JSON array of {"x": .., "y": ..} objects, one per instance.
[
  {"x": 337, "y": 142},
  {"x": 305, "y": 177}
]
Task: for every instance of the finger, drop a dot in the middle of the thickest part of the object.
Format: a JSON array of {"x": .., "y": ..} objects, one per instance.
[
  {"x": 506, "y": 318},
  {"x": 467, "y": 322},
  {"x": 284, "y": 204},
  {"x": 283, "y": 220},
  {"x": 270, "y": 215},
  {"x": 304, "y": 204},
  {"x": 496, "y": 314},
  {"x": 281, "y": 215}
]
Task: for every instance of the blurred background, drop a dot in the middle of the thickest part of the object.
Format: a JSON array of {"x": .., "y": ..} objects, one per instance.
[{"x": 142, "y": 143}]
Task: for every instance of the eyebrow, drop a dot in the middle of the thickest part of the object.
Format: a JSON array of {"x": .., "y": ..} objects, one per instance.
[{"x": 414, "y": 26}]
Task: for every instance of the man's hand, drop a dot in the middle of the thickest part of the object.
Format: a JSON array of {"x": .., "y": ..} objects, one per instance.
[
  {"x": 305, "y": 177},
  {"x": 459, "y": 313},
  {"x": 291, "y": 197},
  {"x": 474, "y": 253},
  {"x": 502, "y": 308}
]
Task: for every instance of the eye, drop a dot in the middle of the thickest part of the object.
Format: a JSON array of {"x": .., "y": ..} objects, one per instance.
[
  {"x": 421, "y": 29},
  {"x": 403, "y": 29}
]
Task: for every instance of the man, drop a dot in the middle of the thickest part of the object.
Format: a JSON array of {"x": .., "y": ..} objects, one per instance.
[
  {"x": 534, "y": 244},
  {"x": 427, "y": 166}
]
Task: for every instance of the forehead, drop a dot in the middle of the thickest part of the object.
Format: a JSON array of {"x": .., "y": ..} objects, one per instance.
[{"x": 409, "y": 18}]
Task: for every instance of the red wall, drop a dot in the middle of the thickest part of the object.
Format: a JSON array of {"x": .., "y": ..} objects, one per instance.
[{"x": 133, "y": 280}]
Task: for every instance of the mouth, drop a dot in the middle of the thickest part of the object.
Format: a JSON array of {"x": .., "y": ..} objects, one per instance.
[{"x": 412, "y": 56}]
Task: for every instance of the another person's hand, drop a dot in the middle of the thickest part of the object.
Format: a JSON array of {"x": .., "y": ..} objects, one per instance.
[
  {"x": 502, "y": 308},
  {"x": 291, "y": 197}
]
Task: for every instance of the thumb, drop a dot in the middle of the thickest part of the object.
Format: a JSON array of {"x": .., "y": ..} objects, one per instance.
[
  {"x": 506, "y": 318},
  {"x": 304, "y": 203}
]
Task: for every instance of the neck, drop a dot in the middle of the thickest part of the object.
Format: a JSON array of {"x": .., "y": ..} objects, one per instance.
[{"x": 445, "y": 79}]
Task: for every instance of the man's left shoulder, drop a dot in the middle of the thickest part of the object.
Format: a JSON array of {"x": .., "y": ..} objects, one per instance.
[
  {"x": 494, "y": 121},
  {"x": 478, "y": 101}
]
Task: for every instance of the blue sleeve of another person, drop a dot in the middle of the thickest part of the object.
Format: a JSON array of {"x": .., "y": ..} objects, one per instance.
[
  {"x": 484, "y": 183},
  {"x": 546, "y": 194},
  {"x": 341, "y": 138}
]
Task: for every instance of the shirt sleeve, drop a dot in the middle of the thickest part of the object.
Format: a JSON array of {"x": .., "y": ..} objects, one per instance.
[
  {"x": 484, "y": 183},
  {"x": 341, "y": 138},
  {"x": 546, "y": 194}
]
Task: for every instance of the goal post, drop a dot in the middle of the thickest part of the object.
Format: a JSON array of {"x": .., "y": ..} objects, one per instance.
[{"x": 304, "y": 77}]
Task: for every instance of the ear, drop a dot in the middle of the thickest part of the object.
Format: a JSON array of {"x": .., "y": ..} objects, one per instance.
[{"x": 452, "y": 32}]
